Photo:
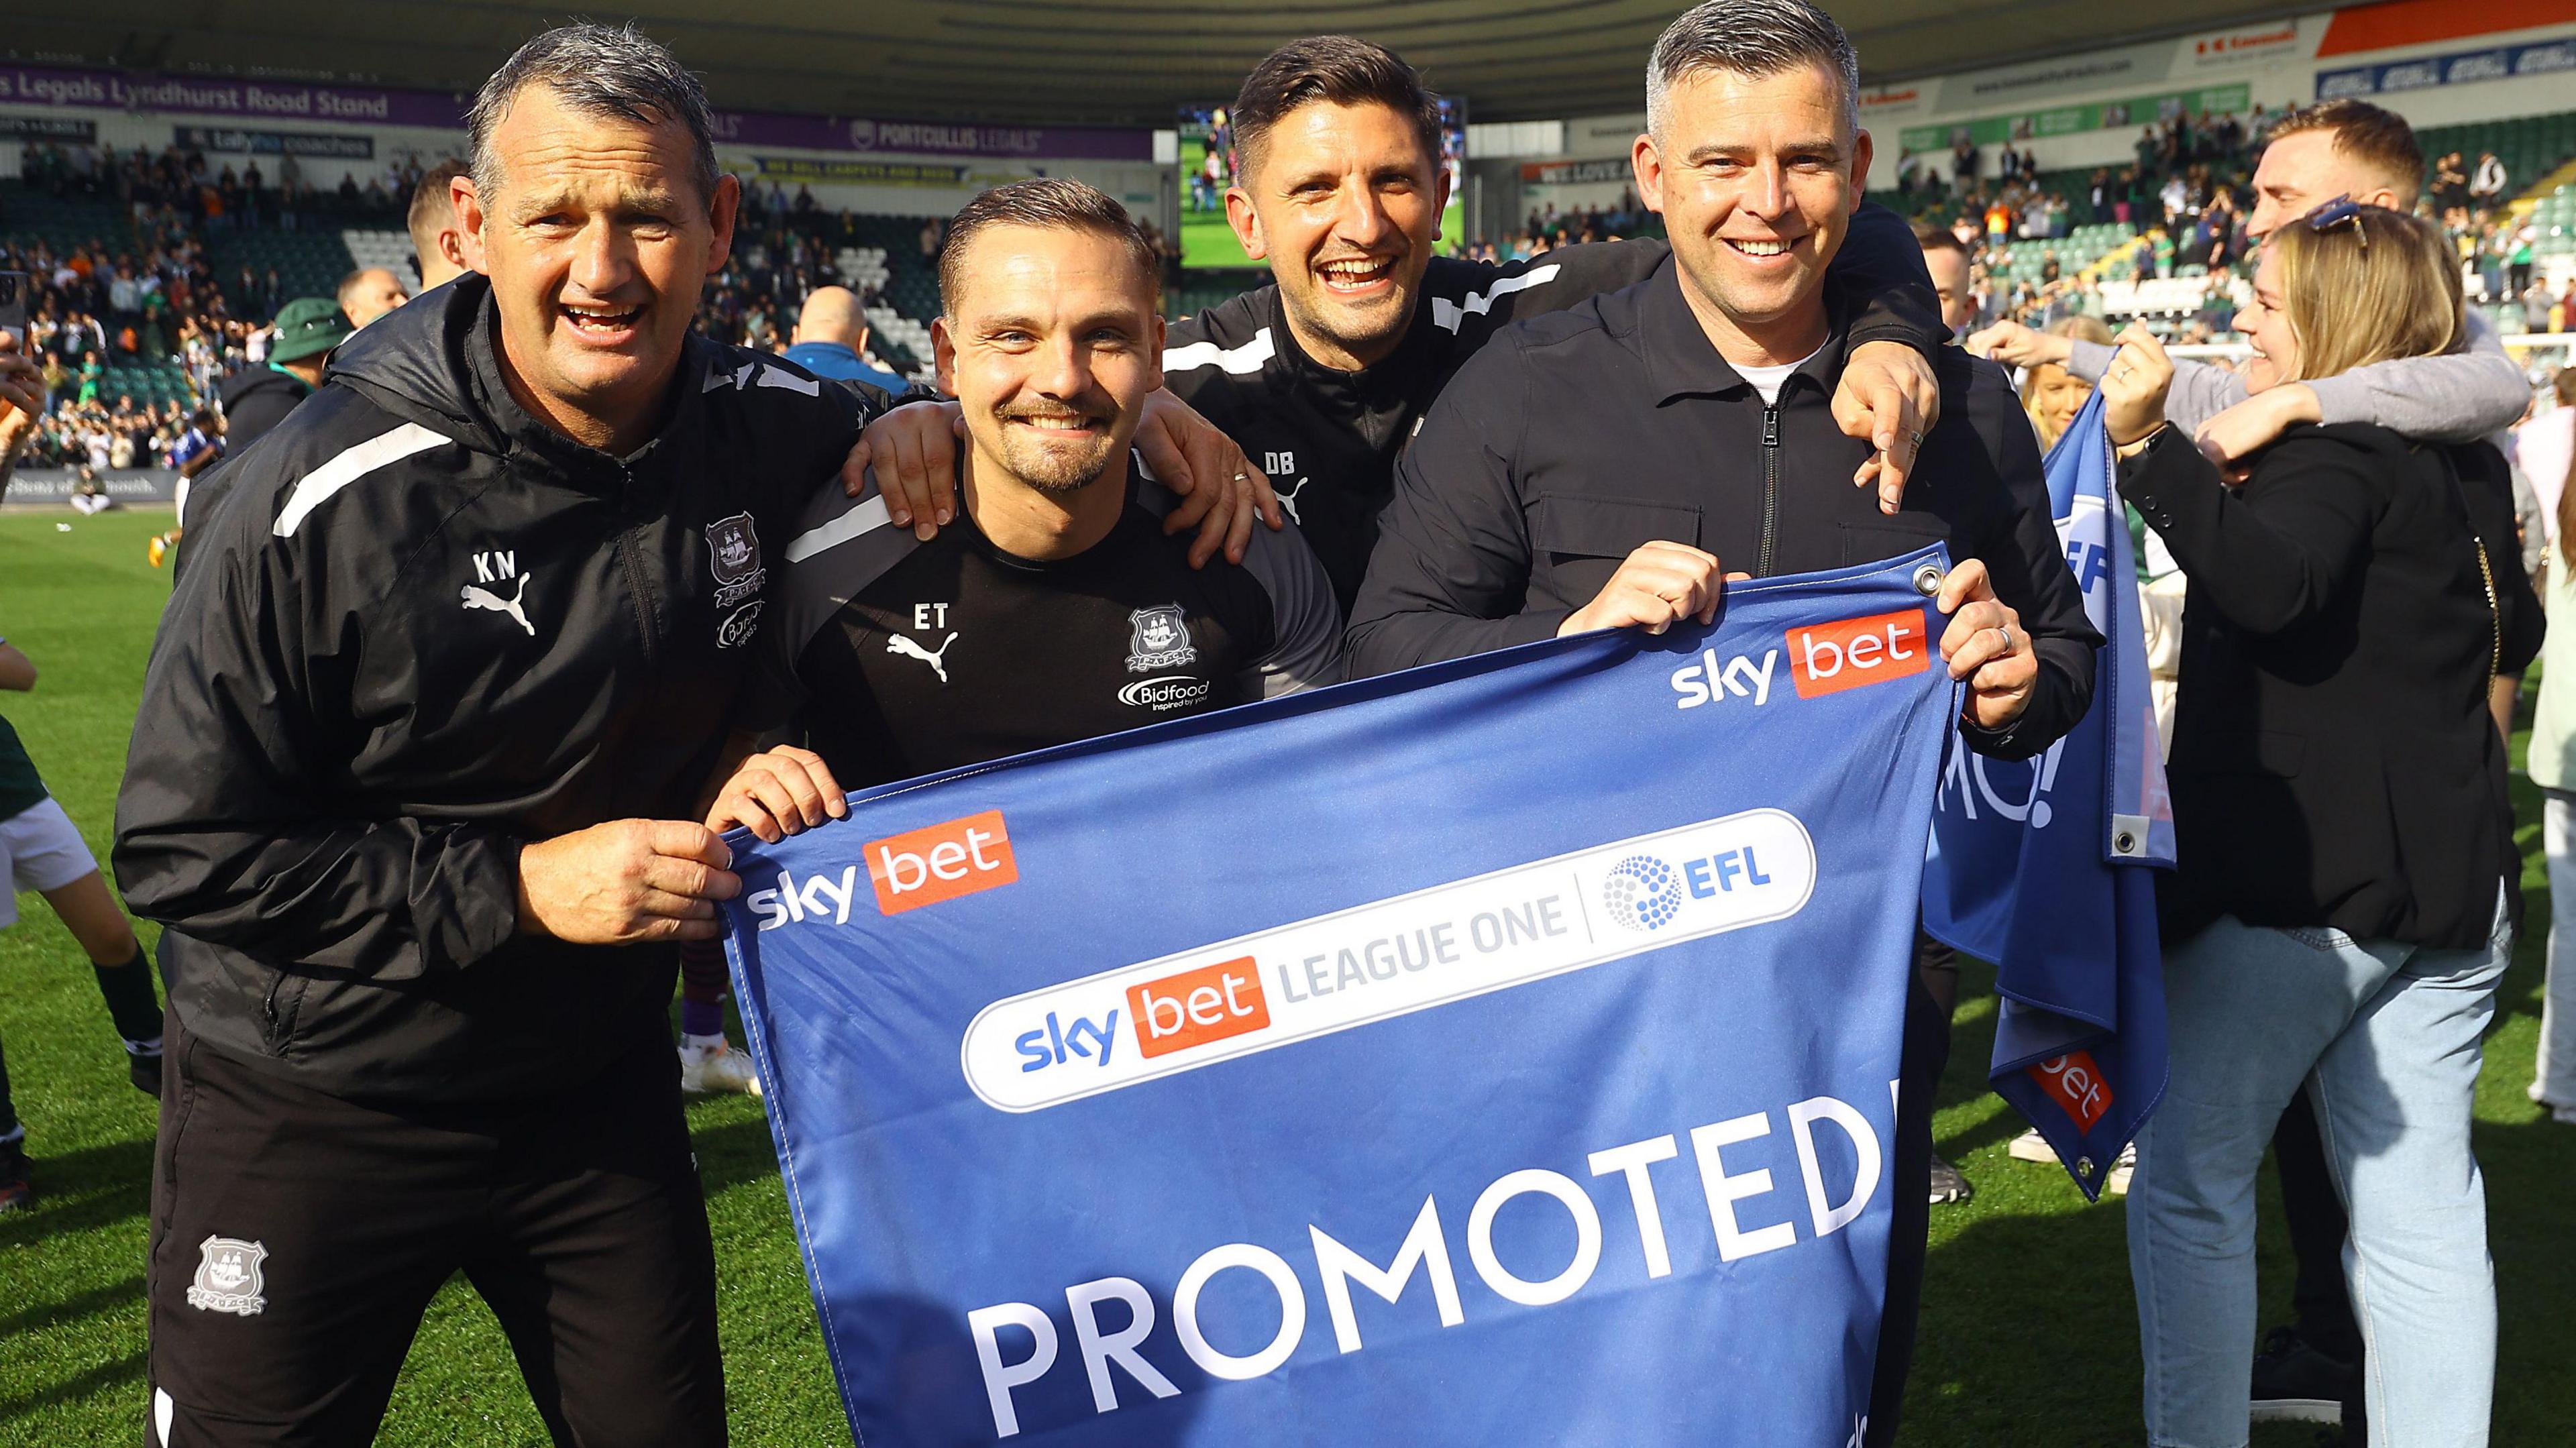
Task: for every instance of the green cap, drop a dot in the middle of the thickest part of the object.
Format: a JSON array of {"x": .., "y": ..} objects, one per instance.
[{"x": 307, "y": 326}]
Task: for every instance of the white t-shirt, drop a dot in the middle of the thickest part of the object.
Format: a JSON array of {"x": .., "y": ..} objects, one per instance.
[{"x": 1767, "y": 380}]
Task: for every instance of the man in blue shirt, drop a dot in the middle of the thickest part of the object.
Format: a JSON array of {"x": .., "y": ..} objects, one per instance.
[{"x": 832, "y": 340}]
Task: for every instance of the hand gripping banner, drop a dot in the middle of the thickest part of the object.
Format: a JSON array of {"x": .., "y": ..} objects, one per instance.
[{"x": 1502, "y": 1051}]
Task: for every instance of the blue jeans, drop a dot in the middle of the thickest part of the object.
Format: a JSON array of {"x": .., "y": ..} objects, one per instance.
[{"x": 2385, "y": 1039}]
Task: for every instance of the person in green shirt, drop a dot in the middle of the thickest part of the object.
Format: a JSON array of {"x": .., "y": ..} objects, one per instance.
[{"x": 41, "y": 851}]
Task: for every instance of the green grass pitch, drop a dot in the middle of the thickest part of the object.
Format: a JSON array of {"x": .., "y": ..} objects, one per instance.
[
  {"x": 2028, "y": 1338},
  {"x": 1206, "y": 240}
]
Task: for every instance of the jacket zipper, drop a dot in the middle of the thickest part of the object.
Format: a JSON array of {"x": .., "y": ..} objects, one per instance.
[
  {"x": 634, "y": 573},
  {"x": 1770, "y": 486}
]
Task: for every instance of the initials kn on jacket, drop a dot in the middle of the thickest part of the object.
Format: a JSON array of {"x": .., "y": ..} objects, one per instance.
[{"x": 419, "y": 631}]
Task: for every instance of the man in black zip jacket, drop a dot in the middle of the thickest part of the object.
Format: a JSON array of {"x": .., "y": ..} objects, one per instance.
[
  {"x": 1591, "y": 468},
  {"x": 449, "y": 666},
  {"x": 1323, "y": 376}
]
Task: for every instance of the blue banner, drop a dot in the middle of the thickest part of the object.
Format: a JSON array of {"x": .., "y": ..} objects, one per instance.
[
  {"x": 2035, "y": 866},
  {"x": 1498, "y": 1052}
]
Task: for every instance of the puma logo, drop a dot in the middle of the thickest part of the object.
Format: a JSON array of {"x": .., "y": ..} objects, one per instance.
[
  {"x": 1288, "y": 501},
  {"x": 484, "y": 598},
  {"x": 900, "y": 644}
]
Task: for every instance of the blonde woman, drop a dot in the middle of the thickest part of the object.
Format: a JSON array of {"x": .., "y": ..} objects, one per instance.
[
  {"x": 2342, "y": 909},
  {"x": 2051, "y": 394}
]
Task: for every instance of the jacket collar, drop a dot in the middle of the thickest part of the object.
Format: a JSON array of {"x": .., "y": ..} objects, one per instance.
[
  {"x": 1682, "y": 362},
  {"x": 1391, "y": 379},
  {"x": 529, "y": 439}
]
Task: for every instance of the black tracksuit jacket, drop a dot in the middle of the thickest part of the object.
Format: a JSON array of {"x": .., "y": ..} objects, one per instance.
[
  {"x": 1329, "y": 439},
  {"x": 422, "y": 631},
  {"x": 1577, "y": 437}
]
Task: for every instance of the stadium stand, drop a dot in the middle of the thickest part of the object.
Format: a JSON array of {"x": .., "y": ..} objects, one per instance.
[
  {"x": 388, "y": 249},
  {"x": 2144, "y": 267},
  {"x": 216, "y": 253}
]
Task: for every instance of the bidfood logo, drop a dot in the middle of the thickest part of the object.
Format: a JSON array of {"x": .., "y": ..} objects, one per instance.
[
  {"x": 1642, "y": 893},
  {"x": 1171, "y": 691}
]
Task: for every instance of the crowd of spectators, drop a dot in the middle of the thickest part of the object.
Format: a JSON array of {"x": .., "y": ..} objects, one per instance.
[
  {"x": 2186, "y": 197},
  {"x": 152, "y": 296},
  {"x": 180, "y": 188},
  {"x": 1548, "y": 227}
]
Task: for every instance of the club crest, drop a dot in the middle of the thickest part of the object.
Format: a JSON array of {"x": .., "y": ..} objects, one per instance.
[
  {"x": 733, "y": 555},
  {"x": 228, "y": 1277},
  {"x": 1158, "y": 638}
]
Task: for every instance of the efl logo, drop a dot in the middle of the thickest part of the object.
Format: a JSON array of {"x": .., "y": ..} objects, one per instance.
[
  {"x": 1198, "y": 1006},
  {"x": 1831, "y": 657},
  {"x": 941, "y": 862},
  {"x": 2076, "y": 1084}
]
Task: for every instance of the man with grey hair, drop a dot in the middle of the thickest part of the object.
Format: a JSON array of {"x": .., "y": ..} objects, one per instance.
[
  {"x": 413, "y": 787},
  {"x": 1590, "y": 469}
]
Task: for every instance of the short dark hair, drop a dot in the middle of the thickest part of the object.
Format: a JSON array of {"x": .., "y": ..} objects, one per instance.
[
  {"x": 1052, "y": 202},
  {"x": 1750, "y": 38},
  {"x": 1938, "y": 238},
  {"x": 2377, "y": 138},
  {"x": 1335, "y": 69},
  {"x": 429, "y": 199},
  {"x": 596, "y": 70}
]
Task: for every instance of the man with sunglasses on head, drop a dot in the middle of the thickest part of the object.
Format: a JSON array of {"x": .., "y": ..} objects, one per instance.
[
  {"x": 2344, "y": 150},
  {"x": 1323, "y": 376}
]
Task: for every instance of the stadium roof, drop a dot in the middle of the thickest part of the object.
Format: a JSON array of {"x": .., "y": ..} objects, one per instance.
[{"x": 1066, "y": 61}]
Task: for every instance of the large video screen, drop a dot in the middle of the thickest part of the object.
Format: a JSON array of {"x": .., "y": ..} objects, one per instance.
[{"x": 1207, "y": 159}]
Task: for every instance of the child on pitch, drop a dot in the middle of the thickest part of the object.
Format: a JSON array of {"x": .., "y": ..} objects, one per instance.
[{"x": 42, "y": 852}]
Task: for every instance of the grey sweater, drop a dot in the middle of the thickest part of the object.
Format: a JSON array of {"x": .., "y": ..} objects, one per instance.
[{"x": 2463, "y": 397}]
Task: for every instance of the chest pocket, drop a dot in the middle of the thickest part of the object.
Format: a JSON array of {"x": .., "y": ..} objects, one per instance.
[
  {"x": 1883, "y": 537},
  {"x": 1580, "y": 540},
  {"x": 1576, "y": 526}
]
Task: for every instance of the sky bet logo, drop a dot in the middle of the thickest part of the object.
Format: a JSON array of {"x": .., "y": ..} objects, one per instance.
[
  {"x": 1824, "y": 658},
  {"x": 1828, "y": 658},
  {"x": 941, "y": 862},
  {"x": 1198, "y": 1006},
  {"x": 1170, "y": 1013},
  {"x": 922, "y": 867}
]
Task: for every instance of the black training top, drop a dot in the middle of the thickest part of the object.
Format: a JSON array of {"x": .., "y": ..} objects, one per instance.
[
  {"x": 1329, "y": 438},
  {"x": 903, "y": 658},
  {"x": 1578, "y": 437}
]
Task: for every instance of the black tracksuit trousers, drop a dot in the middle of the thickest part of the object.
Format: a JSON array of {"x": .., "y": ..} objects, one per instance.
[{"x": 297, "y": 1237}]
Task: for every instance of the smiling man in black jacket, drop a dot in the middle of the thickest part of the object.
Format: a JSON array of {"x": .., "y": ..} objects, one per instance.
[
  {"x": 1590, "y": 469},
  {"x": 1323, "y": 376},
  {"x": 448, "y": 667}
]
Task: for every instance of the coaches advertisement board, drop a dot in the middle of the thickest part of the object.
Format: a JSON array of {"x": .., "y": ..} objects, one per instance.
[
  {"x": 228, "y": 140},
  {"x": 1503, "y": 1051}
]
